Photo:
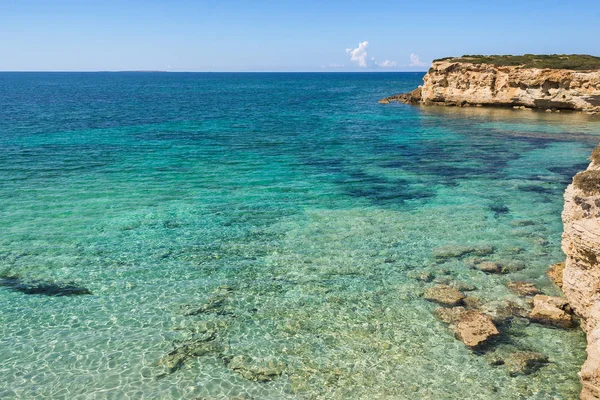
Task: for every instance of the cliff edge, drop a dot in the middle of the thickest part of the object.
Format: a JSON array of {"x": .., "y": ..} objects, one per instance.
[
  {"x": 581, "y": 275},
  {"x": 547, "y": 82}
]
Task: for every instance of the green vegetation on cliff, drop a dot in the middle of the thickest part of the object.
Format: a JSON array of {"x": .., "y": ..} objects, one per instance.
[{"x": 578, "y": 62}]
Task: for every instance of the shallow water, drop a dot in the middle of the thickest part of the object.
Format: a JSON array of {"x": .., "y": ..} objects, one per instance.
[{"x": 287, "y": 215}]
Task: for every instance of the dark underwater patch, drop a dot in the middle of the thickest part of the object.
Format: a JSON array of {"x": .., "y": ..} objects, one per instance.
[
  {"x": 19, "y": 284},
  {"x": 568, "y": 172},
  {"x": 540, "y": 189},
  {"x": 499, "y": 209}
]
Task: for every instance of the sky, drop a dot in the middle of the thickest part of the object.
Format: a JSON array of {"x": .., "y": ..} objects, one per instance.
[{"x": 284, "y": 35}]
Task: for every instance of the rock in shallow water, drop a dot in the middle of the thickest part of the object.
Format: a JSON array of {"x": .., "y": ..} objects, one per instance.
[
  {"x": 474, "y": 328},
  {"x": 552, "y": 311},
  {"x": 490, "y": 267},
  {"x": 444, "y": 294}
]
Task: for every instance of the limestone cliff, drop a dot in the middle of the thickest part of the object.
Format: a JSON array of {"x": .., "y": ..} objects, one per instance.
[
  {"x": 581, "y": 275},
  {"x": 463, "y": 83}
]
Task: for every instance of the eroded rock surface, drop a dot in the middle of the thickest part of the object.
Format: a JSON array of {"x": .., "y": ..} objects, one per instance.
[
  {"x": 552, "y": 310},
  {"x": 462, "y": 83},
  {"x": 581, "y": 275}
]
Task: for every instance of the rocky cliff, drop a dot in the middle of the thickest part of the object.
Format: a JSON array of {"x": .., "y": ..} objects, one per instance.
[
  {"x": 469, "y": 83},
  {"x": 581, "y": 275}
]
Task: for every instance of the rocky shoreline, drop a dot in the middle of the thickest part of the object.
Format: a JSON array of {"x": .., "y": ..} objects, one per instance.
[
  {"x": 464, "y": 83},
  {"x": 581, "y": 274}
]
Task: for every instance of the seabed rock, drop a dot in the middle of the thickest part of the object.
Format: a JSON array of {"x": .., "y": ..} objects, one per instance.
[
  {"x": 445, "y": 252},
  {"x": 503, "y": 311},
  {"x": 46, "y": 288},
  {"x": 449, "y": 315},
  {"x": 444, "y": 294},
  {"x": 490, "y": 267},
  {"x": 552, "y": 311},
  {"x": 522, "y": 288},
  {"x": 259, "y": 370},
  {"x": 524, "y": 362},
  {"x": 421, "y": 276},
  {"x": 197, "y": 346},
  {"x": 218, "y": 303}
]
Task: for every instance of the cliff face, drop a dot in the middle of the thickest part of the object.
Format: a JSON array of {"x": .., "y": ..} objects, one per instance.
[
  {"x": 581, "y": 276},
  {"x": 464, "y": 83}
]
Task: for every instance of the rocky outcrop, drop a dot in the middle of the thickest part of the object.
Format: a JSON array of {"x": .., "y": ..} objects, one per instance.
[
  {"x": 551, "y": 310},
  {"x": 463, "y": 83},
  {"x": 581, "y": 274}
]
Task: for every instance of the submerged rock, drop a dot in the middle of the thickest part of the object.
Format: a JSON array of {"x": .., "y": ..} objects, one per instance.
[
  {"x": 46, "y": 288},
  {"x": 552, "y": 310},
  {"x": 421, "y": 276},
  {"x": 474, "y": 328},
  {"x": 444, "y": 294},
  {"x": 218, "y": 303},
  {"x": 449, "y": 315},
  {"x": 522, "y": 288},
  {"x": 197, "y": 346},
  {"x": 490, "y": 267},
  {"x": 502, "y": 311},
  {"x": 445, "y": 252},
  {"x": 524, "y": 362},
  {"x": 259, "y": 370},
  {"x": 463, "y": 286}
]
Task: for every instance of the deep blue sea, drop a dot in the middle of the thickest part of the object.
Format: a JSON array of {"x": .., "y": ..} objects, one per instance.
[{"x": 270, "y": 236}]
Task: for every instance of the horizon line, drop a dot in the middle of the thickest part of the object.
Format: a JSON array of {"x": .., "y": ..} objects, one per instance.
[{"x": 206, "y": 72}]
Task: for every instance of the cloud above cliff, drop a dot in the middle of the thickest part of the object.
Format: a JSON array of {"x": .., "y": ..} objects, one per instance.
[
  {"x": 415, "y": 61},
  {"x": 359, "y": 55}
]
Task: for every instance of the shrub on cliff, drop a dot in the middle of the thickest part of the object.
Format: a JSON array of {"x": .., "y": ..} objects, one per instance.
[
  {"x": 588, "y": 181},
  {"x": 578, "y": 62},
  {"x": 596, "y": 155}
]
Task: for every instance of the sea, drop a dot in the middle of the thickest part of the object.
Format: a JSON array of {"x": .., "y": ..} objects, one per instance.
[{"x": 270, "y": 236}]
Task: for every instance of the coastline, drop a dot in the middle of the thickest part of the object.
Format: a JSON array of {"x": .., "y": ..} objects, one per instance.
[{"x": 463, "y": 83}]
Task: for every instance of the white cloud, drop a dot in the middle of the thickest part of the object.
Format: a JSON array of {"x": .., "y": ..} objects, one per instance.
[
  {"x": 415, "y": 61},
  {"x": 359, "y": 54},
  {"x": 335, "y": 66},
  {"x": 387, "y": 64}
]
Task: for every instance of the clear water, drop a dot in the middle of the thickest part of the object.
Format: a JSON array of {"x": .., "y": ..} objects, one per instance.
[{"x": 313, "y": 204}]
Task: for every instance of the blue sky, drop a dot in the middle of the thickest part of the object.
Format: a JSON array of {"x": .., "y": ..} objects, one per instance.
[{"x": 284, "y": 35}]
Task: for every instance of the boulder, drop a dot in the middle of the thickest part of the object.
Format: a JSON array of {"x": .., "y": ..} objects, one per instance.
[
  {"x": 552, "y": 311},
  {"x": 474, "y": 328},
  {"x": 444, "y": 294}
]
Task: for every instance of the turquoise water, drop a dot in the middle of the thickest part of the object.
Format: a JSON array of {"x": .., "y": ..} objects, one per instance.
[{"x": 277, "y": 217}]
